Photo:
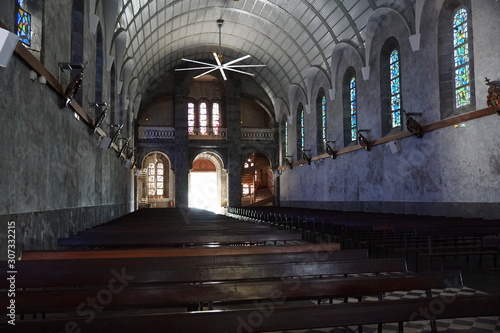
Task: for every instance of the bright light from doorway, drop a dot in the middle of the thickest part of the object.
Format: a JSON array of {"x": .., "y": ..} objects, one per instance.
[{"x": 204, "y": 192}]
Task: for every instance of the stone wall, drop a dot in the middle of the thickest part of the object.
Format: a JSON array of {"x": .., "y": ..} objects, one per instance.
[
  {"x": 452, "y": 171},
  {"x": 55, "y": 181}
]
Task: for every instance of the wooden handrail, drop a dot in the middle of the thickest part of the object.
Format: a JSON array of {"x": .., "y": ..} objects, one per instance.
[
  {"x": 35, "y": 64},
  {"x": 427, "y": 128}
]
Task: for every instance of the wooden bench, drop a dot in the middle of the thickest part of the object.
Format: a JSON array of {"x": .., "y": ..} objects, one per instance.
[
  {"x": 171, "y": 295},
  {"x": 272, "y": 318},
  {"x": 61, "y": 273},
  {"x": 179, "y": 239},
  {"x": 433, "y": 243},
  {"x": 181, "y": 252}
]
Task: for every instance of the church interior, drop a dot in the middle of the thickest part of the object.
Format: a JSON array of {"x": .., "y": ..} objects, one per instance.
[{"x": 263, "y": 164}]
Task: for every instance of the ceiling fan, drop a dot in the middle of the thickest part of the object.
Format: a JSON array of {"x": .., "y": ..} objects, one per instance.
[{"x": 230, "y": 66}]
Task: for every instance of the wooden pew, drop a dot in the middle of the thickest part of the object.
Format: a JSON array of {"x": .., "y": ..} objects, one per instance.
[
  {"x": 61, "y": 273},
  {"x": 178, "y": 239},
  {"x": 180, "y": 252},
  {"x": 273, "y": 318},
  {"x": 160, "y": 296}
]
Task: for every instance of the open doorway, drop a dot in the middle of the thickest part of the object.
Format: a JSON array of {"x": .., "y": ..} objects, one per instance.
[
  {"x": 257, "y": 181},
  {"x": 207, "y": 183}
]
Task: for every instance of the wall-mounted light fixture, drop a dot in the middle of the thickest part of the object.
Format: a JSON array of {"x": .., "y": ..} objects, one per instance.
[
  {"x": 75, "y": 84},
  {"x": 412, "y": 125},
  {"x": 363, "y": 141},
  {"x": 117, "y": 134},
  {"x": 329, "y": 150},
  {"x": 493, "y": 98},
  {"x": 8, "y": 42},
  {"x": 102, "y": 115},
  {"x": 305, "y": 157}
]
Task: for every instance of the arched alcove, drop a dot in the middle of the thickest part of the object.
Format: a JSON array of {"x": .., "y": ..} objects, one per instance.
[
  {"x": 208, "y": 182},
  {"x": 156, "y": 182},
  {"x": 257, "y": 181}
]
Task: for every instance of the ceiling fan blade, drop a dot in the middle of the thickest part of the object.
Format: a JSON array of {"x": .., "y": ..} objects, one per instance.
[
  {"x": 219, "y": 66},
  {"x": 198, "y": 62},
  {"x": 242, "y": 66},
  {"x": 204, "y": 73},
  {"x": 238, "y": 71},
  {"x": 193, "y": 68},
  {"x": 237, "y": 60}
]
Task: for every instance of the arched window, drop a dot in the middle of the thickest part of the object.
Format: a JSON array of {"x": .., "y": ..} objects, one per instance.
[
  {"x": 284, "y": 138},
  {"x": 321, "y": 113},
  {"x": 191, "y": 117},
  {"x": 155, "y": 178},
  {"x": 204, "y": 118},
  {"x": 390, "y": 86},
  {"x": 350, "y": 99},
  {"x": 456, "y": 59},
  {"x": 77, "y": 40},
  {"x": 354, "y": 108},
  {"x": 215, "y": 118},
  {"x": 461, "y": 58},
  {"x": 23, "y": 22},
  {"x": 99, "y": 66},
  {"x": 395, "y": 89},
  {"x": 301, "y": 131}
]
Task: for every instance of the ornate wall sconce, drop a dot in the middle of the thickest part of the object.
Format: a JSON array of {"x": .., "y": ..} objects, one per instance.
[
  {"x": 305, "y": 157},
  {"x": 117, "y": 134},
  {"x": 76, "y": 82},
  {"x": 363, "y": 142},
  {"x": 124, "y": 146},
  {"x": 102, "y": 116},
  {"x": 412, "y": 125},
  {"x": 493, "y": 98},
  {"x": 329, "y": 150}
]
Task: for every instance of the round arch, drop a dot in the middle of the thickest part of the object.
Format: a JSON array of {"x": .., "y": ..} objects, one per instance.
[
  {"x": 156, "y": 182},
  {"x": 208, "y": 188}
]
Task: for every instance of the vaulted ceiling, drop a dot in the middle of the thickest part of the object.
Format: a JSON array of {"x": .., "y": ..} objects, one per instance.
[{"x": 288, "y": 36}]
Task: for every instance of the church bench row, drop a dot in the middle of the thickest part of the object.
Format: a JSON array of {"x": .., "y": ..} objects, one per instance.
[
  {"x": 67, "y": 300},
  {"x": 60, "y": 273},
  {"x": 182, "y": 252},
  {"x": 181, "y": 262},
  {"x": 270, "y": 317},
  {"x": 449, "y": 236},
  {"x": 131, "y": 240}
]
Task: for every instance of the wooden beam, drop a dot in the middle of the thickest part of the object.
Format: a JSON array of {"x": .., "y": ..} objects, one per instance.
[{"x": 427, "y": 128}]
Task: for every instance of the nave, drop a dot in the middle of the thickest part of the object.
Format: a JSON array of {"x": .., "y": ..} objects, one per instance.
[{"x": 177, "y": 270}]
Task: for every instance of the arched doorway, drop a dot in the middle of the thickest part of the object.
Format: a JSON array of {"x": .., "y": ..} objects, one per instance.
[
  {"x": 207, "y": 183},
  {"x": 257, "y": 181},
  {"x": 155, "y": 183}
]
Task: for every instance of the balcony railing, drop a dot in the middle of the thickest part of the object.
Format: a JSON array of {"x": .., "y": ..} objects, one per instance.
[
  {"x": 168, "y": 133},
  {"x": 257, "y": 134},
  {"x": 156, "y": 132},
  {"x": 208, "y": 134}
]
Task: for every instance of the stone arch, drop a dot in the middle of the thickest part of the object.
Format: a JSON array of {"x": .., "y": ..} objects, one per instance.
[
  {"x": 145, "y": 197},
  {"x": 210, "y": 196}
]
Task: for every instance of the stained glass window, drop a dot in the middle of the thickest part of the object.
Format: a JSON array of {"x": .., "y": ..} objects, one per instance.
[
  {"x": 215, "y": 118},
  {"x": 23, "y": 20},
  {"x": 302, "y": 132},
  {"x": 190, "y": 118},
  {"x": 20, "y": 3},
  {"x": 285, "y": 137},
  {"x": 395, "y": 89},
  {"x": 203, "y": 118},
  {"x": 461, "y": 58},
  {"x": 323, "y": 118},
  {"x": 155, "y": 178},
  {"x": 353, "y": 100}
]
